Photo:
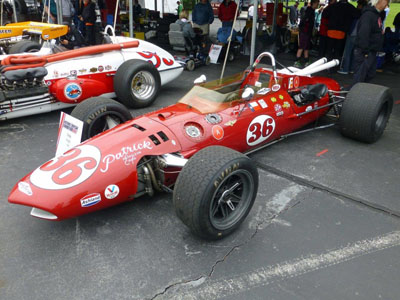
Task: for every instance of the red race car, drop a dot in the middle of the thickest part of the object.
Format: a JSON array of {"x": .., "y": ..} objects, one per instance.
[{"x": 197, "y": 148}]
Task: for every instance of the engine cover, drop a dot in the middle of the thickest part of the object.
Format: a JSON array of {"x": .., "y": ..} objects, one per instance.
[{"x": 76, "y": 90}]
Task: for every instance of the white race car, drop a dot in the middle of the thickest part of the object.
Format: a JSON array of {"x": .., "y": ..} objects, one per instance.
[{"x": 129, "y": 69}]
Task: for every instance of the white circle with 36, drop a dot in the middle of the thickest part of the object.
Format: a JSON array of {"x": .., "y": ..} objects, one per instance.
[
  {"x": 72, "y": 168},
  {"x": 260, "y": 129}
]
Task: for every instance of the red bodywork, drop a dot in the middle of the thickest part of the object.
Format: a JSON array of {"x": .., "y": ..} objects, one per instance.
[{"x": 83, "y": 179}]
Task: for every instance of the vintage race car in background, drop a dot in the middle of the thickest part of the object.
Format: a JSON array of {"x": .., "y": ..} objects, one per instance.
[
  {"x": 198, "y": 146},
  {"x": 34, "y": 83}
]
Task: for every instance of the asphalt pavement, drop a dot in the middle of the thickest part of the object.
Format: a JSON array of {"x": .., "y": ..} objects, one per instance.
[{"x": 325, "y": 223}]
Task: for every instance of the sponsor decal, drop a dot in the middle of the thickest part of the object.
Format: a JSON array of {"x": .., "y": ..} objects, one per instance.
[
  {"x": 315, "y": 104},
  {"x": 254, "y": 106},
  {"x": 279, "y": 113},
  {"x": 108, "y": 67},
  {"x": 230, "y": 123},
  {"x": 308, "y": 108},
  {"x": 55, "y": 73},
  {"x": 90, "y": 200},
  {"x": 25, "y": 188},
  {"x": 46, "y": 37},
  {"x": 111, "y": 191},
  {"x": 263, "y": 91},
  {"x": 278, "y": 107},
  {"x": 81, "y": 71},
  {"x": 276, "y": 87},
  {"x": 127, "y": 154},
  {"x": 260, "y": 129},
  {"x": 93, "y": 70},
  {"x": 262, "y": 103},
  {"x": 72, "y": 168},
  {"x": 100, "y": 68},
  {"x": 48, "y": 83},
  {"x": 173, "y": 142},
  {"x": 217, "y": 132},
  {"x": 64, "y": 74},
  {"x": 5, "y": 30},
  {"x": 280, "y": 97},
  {"x": 73, "y": 72},
  {"x": 286, "y": 104},
  {"x": 273, "y": 99},
  {"x": 290, "y": 86},
  {"x": 296, "y": 82},
  {"x": 72, "y": 91}
]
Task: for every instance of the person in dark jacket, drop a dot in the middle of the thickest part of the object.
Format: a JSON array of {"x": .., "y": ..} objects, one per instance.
[
  {"x": 323, "y": 30},
  {"x": 73, "y": 39},
  {"x": 88, "y": 17},
  {"x": 203, "y": 16},
  {"x": 340, "y": 17},
  {"x": 293, "y": 13},
  {"x": 368, "y": 41},
  {"x": 306, "y": 28},
  {"x": 226, "y": 12}
]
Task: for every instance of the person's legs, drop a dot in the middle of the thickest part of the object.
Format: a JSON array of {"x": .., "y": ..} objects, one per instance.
[
  {"x": 322, "y": 45},
  {"x": 360, "y": 66},
  {"x": 371, "y": 62}
]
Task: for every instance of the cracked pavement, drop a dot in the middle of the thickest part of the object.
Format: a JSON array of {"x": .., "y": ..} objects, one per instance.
[{"x": 322, "y": 227}]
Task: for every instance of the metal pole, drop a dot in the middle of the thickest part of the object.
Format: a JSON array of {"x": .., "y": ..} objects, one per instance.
[
  {"x": 274, "y": 18},
  {"x": 115, "y": 14},
  {"x": 229, "y": 41},
  {"x": 131, "y": 18},
  {"x": 253, "y": 32},
  {"x": 59, "y": 11}
]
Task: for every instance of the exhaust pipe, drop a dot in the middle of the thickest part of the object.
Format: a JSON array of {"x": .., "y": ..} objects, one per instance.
[
  {"x": 315, "y": 64},
  {"x": 319, "y": 68}
]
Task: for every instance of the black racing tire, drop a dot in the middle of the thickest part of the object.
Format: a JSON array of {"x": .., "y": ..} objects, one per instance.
[
  {"x": 137, "y": 83},
  {"x": 212, "y": 181},
  {"x": 190, "y": 65},
  {"x": 21, "y": 7},
  {"x": 365, "y": 112},
  {"x": 99, "y": 114},
  {"x": 24, "y": 46}
]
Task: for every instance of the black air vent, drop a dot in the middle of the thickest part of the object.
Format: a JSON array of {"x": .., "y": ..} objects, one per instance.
[
  {"x": 163, "y": 136},
  {"x": 155, "y": 140},
  {"x": 138, "y": 127}
]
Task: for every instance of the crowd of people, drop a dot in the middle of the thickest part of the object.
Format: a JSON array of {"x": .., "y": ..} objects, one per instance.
[
  {"x": 80, "y": 16},
  {"x": 352, "y": 34}
]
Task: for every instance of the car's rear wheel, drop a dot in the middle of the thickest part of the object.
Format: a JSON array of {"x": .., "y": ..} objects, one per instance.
[
  {"x": 215, "y": 191},
  {"x": 137, "y": 83},
  {"x": 24, "y": 46},
  {"x": 365, "y": 112},
  {"x": 99, "y": 114}
]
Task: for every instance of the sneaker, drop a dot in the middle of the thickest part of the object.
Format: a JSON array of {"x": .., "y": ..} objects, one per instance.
[
  {"x": 298, "y": 64},
  {"x": 342, "y": 72},
  {"x": 307, "y": 63}
]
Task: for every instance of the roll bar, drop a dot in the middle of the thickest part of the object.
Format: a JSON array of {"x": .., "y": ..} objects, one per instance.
[{"x": 261, "y": 56}]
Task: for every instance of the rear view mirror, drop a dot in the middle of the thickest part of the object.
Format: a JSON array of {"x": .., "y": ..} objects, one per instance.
[{"x": 248, "y": 93}]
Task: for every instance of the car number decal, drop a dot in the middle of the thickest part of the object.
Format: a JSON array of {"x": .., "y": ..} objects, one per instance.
[
  {"x": 68, "y": 170},
  {"x": 260, "y": 129}
]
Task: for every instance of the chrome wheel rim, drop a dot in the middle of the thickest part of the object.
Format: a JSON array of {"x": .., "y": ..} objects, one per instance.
[{"x": 143, "y": 85}]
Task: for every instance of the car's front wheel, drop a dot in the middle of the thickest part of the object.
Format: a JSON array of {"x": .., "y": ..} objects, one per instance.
[
  {"x": 215, "y": 191},
  {"x": 99, "y": 114}
]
